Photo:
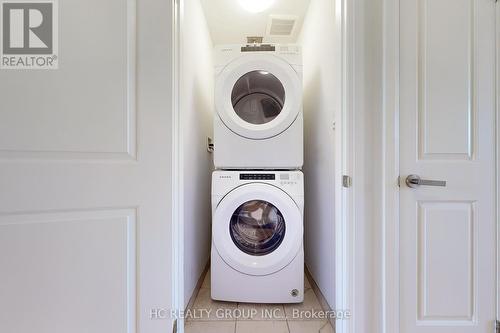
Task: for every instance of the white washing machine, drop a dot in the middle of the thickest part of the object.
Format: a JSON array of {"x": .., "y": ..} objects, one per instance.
[
  {"x": 258, "y": 100},
  {"x": 257, "y": 236}
]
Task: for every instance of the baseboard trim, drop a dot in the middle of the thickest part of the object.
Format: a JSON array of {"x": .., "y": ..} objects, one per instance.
[
  {"x": 321, "y": 298},
  {"x": 198, "y": 286}
]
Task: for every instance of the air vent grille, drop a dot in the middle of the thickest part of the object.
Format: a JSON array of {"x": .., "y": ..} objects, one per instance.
[{"x": 281, "y": 25}]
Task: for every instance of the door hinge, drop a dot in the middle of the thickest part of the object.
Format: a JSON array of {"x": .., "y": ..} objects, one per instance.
[
  {"x": 497, "y": 326},
  {"x": 346, "y": 181}
]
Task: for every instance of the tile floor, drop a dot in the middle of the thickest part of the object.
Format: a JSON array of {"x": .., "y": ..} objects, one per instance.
[{"x": 281, "y": 322}]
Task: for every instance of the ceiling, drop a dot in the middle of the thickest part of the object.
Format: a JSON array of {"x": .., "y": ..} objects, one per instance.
[{"x": 229, "y": 23}]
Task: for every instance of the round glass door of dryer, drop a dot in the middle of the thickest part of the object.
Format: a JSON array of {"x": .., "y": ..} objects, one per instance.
[
  {"x": 257, "y": 227},
  {"x": 258, "y": 97}
]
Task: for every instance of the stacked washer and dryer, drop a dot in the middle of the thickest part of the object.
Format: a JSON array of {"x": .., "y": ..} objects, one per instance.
[{"x": 257, "y": 251}]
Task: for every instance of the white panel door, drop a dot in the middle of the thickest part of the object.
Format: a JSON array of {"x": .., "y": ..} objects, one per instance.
[
  {"x": 447, "y": 132},
  {"x": 85, "y": 161}
]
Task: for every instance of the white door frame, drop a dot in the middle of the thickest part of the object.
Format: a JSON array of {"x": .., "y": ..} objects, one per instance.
[
  {"x": 497, "y": 133},
  {"x": 390, "y": 213},
  {"x": 177, "y": 171},
  {"x": 344, "y": 218},
  {"x": 390, "y": 216},
  {"x": 344, "y": 221}
]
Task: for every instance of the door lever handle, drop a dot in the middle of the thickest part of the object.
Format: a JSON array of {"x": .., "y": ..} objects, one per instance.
[{"x": 414, "y": 181}]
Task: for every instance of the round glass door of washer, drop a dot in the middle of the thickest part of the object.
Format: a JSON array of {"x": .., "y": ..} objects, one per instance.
[{"x": 257, "y": 227}]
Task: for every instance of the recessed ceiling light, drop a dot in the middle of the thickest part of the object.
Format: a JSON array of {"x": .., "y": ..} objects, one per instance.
[{"x": 256, "y": 6}]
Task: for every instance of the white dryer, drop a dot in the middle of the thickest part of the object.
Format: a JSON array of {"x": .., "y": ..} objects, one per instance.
[
  {"x": 258, "y": 100},
  {"x": 257, "y": 236}
]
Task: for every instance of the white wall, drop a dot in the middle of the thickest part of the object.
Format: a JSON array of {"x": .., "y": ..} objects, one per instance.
[
  {"x": 320, "y": 140},
  {"x": 197, "y": 82}
]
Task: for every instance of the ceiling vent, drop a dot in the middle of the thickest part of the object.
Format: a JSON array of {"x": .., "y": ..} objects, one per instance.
[{"x": 281, "y": 25}]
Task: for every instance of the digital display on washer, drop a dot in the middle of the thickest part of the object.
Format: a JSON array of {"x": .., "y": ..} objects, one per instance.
[{"x": 257, "y": 176}]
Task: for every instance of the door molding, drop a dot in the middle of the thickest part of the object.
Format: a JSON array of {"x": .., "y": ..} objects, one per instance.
[
  {"x": 390, "y": 161},
  {"x": 497, "y": 133},
  {"x": 345, "y": 219},
  {"x": 177, "y": 172}
]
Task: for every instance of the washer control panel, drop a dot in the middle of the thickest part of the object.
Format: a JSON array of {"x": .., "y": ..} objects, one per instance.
[
  {"x": 290, "y": 181},
  {"x": 257, "y": 176},
  {"x": 289, "y": 178}
]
